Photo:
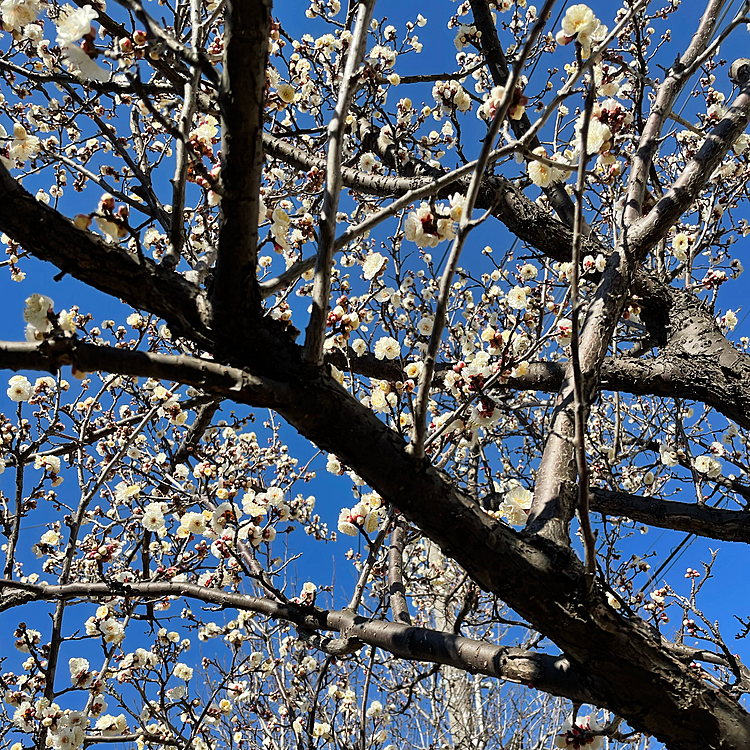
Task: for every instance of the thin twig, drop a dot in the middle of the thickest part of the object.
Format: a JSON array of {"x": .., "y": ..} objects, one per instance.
[
  {"x": 419, "y": 429},
  {"x": 579, "y": 405},
  {"x": 315, "y": 333},
  {"x": 177, "y": 230}
]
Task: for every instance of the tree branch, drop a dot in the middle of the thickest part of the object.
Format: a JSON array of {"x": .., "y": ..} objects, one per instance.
[
  {"x": 545, "y": 672},
  {"x": 241, "y": 100},
  {"x": 221, "y": 380},
  {"x": 701, "y": 520},
  {"x": 111, "y": 269},
  {"x": 316, "y": 328}
]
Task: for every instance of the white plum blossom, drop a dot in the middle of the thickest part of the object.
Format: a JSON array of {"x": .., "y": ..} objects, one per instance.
[
  {"x": 81, "y": 65},
  {"x": 286, "y": 93},
  {"x": 19, "y": 389},
  {"x": 730, "y": 320},
  {"x": 367, "y": 162},
  {"x": 492, "y": 101},
  {"x": 48, "y": 463},
  {"x": 708, "y": 465},
  {"x": 333, "y": 465},
  {"x": 370, "y": 524},
  {"x": 517, "y": 298},
  {"x": 581, "y": 24},
  {"x": 528, "y": 271},
  {"x": 36, "y": 311},
  {"x": 345, "y": 525},
  {"x": 182, "y": 672},
  {"x": 18, "y": 13},
  {"x": 153, "y": 518},
  {"x": 427, "y": 229},
  {"x": 564, "y": 331},
  {"x": 680, "y": 244},
  {"x": 425, "y": 325},
  {"x": 599, "y": 136},
  {"x": 112, "y": 630},
  {"x": 373, "y": 265},
  {"x": 79, "y": 672},
  {"x": 109, "y": 725},
  {"x": 23, "y": 146},
  {"x": 74, "y": 23},
  {"x": 516, "y": 505},
  {"x": 543, "y": 174},
  {"x": 387, "y": 348}
]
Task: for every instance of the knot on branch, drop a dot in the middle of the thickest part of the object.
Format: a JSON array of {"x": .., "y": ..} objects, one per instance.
[
  {"x": 334, "y": 646},
  {"x": 739, "y": 72}
]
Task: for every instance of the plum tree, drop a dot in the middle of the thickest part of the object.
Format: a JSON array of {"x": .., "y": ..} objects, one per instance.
[{"x": 487, "y": 299}]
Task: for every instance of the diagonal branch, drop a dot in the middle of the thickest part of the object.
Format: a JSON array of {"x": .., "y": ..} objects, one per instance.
[
  {"x": 316, "y": 328},
  {"x": 497, "y": 63},
  {"x": 111, "y": 269},
  {"x": 681, "y": 195},
  {"x": 666, "y": 95}
]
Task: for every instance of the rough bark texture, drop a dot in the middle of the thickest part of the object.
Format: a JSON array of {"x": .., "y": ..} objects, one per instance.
[{"x": 243, "y": 92}]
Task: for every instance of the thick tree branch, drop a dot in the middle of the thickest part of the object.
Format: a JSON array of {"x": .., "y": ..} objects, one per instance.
[
  {"x": 701, "y": 520},
  {"x": 49, "y": 236},
  {"x": 545, "y": 672},
  {"x": 242, "y": 97},
  {"x": 666, "y": 95},
  {"x": 221, "y": 380},
  {"x": 554, "y": 501},
  {"x": 693, "y": 179}
]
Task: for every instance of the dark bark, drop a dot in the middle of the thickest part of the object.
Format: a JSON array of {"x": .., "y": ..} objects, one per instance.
[
  {"x": 236, "y": 294},
  {"x": 701, "y": 520}
]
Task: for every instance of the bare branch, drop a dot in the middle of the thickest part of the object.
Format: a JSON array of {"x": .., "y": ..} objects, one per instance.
[
  {"x": 315, "y": 333},
  {"x": 554, "y": 674},
  {"x": 247, "y": 26}
]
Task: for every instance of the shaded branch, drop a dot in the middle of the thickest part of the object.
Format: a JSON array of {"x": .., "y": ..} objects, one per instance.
[
  {"x": 221, "y": 380},
  {"x": 111, "y": 269},
  {"x": 701, "y": 520},
  {"x": 241, "y": 100}
]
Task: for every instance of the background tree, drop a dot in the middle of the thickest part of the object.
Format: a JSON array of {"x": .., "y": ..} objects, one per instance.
[{"x": 302, "y": 221}]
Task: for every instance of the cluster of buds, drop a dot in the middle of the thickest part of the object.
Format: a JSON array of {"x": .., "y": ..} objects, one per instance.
[
  {"x": 492, "y": 102},
  {"x": 714, "y": 279},
  {"x": 103, "y": 553},
  {"x": 135, "y": 47},
  {"x": 112, "y": 224},
  {"x": 691, "y": 626},
  {"x": 450, "y": 95},
  {"x": 342, "y": 319}
]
